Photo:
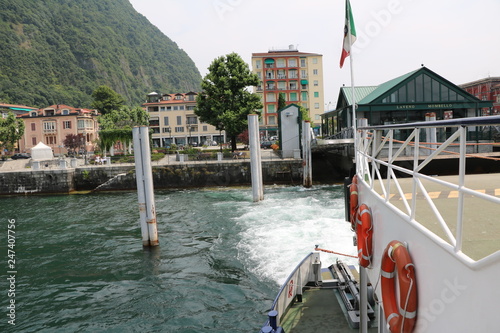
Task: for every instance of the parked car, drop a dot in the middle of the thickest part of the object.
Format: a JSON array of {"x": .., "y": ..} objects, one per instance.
[
  {"x": 266, "y": 144},
  {"x": 20, "y": 156}
]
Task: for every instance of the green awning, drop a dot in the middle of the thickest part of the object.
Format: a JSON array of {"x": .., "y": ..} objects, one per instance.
[
  {"x": 269, "y": 61},
  {"x": 304, "y": 82},
  {"x": 21, "y": 109}
]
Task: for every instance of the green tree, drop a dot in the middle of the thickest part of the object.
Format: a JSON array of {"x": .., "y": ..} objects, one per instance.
[
  {"x": 106, "y": 100},
  {"x": 11, "y": 130},
  {"x": 281, "y": 101},
  {"x": 304, "y": 113},
  {"x": 116, "y": 126},
  {"x": 224, "y": 101}
]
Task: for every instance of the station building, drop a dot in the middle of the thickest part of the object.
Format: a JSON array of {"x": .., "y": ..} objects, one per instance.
[{"x": 405, "y": 99}]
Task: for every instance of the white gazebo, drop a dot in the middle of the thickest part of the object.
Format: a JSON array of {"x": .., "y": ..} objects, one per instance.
[{"x": 41, "y": 152}]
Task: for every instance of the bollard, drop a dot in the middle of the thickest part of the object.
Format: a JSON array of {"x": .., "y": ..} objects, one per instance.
[
  {"x": 273, "y": 319},
  {"x": 266, "y": 329},
  {"x": 220, "y": 156}
]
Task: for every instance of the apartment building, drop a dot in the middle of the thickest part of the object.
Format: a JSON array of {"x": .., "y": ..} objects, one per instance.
[
  {"x": 52, "y": 124},
  {"x": 487, "y": 89},
  {"x": 298, "y": 76},
  {"x": 173, "y": 121}
]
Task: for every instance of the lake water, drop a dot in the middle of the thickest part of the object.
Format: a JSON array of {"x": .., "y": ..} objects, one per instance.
[{"x": 80, "y": 265}]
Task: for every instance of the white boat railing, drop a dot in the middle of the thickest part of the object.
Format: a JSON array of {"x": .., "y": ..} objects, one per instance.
[
  {"x": 304, "y": 273},
  {"x": 377, "y": 147}
]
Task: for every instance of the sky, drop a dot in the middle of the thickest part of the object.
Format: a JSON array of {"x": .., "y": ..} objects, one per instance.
[{"x": 457, "y": 39}]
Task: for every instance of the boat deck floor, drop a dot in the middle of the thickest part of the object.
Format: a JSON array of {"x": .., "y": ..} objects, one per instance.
[{"x": 318, "y": 312}]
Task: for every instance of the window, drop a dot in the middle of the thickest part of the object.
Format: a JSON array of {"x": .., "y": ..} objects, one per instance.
[
  {"x": 316, "y": 94},
  {"x": 271, "y": 120},
  {"x": 191, "y": 120},
  {"x": 162, "y": 108},
  {"x": 304, "y": 96},
  {"x": 33, "y": 141},
  {"x": 271, "y": 97},
  {"x": 49, "y": 126},
  {"x": 315, "y": 83},
  {"x": 303, "y": 73},
  {"x": 176, "y": 108},
  {"x": 292, "y": 62},
  {"x": 179, "y": 120},
  {"x": 205, "y": 128},
  {"x": 315, "y": 61},
  {"x": 178, "y": 97},
  {"x": 165, "y": 121},
  {"x": 81, "y": 124},
  {"x": 293, "y": 97},
  {"x": 181, "y": 107},
  {"x": 302, "y": 62},
  {"x": 315, "y": 72},
  {"x": 293, "y": 74},
  {"x": 271, "y": 108},
  {"x": 190, "y": 107},
  {"x": 258, "y": 63},
  {"x": 280, "y": 63},
  {"x": 169, "y": 108},
  {"x": 191, "y": 97},
  {"x": 66, "y": 124},
  {"x": 65, "y": 112},
  {"x": 33, "y": 114},
  {"x": 179, "y": 129},
  {"x": 498, "y": 98},
  {"x": 316, "y": 105},
  {"x": 33, "y": 126},
  {"x": 153, "y": 109},
  {"x": 166, "y": 129}
]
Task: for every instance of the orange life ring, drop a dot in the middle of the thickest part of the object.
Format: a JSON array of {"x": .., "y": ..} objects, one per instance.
[
  {"x": 364, "y": 232},
  {"x": 402, "y": 317},
  {"x": 353, "y": 202}
]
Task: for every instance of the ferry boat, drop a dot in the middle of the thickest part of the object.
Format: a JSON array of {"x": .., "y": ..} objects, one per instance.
[{"x": 428, "y": 245}]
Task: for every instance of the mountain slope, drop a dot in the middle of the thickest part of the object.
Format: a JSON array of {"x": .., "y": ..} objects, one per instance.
[{"x": 59, "y": 51}]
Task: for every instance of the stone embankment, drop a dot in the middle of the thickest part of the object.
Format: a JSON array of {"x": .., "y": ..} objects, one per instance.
[{"x": 17, "y": 177}]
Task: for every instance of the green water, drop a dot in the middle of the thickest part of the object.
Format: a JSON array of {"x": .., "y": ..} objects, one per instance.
[{"x": 80, "y": 265}]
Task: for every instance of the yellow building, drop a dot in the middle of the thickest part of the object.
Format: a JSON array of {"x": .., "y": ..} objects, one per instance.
[
  {"x": 173, "y": 121},
  {"x": 52, "y": 124},
  {"x": 296, "y": 75}
]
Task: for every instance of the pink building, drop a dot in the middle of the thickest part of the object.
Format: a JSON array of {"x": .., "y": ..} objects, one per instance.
[{"x": 52, "y": 124}]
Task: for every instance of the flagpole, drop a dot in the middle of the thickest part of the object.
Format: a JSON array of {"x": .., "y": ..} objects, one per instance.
[{"x": 353, "y": 98}]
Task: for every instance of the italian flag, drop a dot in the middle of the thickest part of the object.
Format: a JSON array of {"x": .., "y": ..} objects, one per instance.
[{"x": 349, "y": 33}]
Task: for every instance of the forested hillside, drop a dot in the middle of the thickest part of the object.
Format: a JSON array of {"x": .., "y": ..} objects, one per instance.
[{"x": 59, "y": 51}]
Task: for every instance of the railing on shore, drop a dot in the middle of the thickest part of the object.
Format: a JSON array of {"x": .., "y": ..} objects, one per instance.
[{"x": 372, "y": 140}]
